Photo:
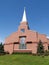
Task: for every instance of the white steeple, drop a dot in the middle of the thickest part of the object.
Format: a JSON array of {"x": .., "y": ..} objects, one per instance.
[{"x": 24, "y": 19}]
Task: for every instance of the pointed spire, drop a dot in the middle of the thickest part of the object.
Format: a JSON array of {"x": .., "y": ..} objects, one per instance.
[{"x": 24, "y": 19}]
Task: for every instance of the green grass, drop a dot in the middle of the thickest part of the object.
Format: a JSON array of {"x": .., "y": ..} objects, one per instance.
[{"x": 19, "y": 59}]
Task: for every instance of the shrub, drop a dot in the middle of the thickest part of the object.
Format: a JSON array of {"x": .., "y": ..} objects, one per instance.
[
  {"x": 21, "y": 53},
  {"x": 46, "y": 52}
]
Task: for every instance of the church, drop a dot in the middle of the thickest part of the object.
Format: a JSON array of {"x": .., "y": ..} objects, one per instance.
[{"x": 25, "y": 40}]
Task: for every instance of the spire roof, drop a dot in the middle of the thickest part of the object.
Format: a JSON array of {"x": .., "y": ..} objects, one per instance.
[{"x": 24, "y": 19}]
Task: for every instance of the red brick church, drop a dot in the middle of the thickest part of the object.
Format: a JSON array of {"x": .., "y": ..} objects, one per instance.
[{"x": 25, "y": 40}]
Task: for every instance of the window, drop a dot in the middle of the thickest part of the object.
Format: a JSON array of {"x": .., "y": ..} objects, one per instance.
[
  {"x": 22, "y": 30},
  {"x": 22, "y": 43},
  {"x": 22, "y": 40}
]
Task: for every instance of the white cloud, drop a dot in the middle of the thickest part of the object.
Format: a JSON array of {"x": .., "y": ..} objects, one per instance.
[{"x": 48, "y": 37}]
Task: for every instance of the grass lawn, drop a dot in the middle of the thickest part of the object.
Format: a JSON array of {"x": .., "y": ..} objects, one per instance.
[{"x": 19, "y": 59}]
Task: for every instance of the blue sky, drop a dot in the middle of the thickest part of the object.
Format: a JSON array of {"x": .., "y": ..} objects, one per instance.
[{"x": 11, "y": 12}]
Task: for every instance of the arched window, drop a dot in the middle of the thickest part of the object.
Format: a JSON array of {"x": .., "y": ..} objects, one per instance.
[
  {"x": 22, "y": 40},
  {"x": 22, "y": 43}
]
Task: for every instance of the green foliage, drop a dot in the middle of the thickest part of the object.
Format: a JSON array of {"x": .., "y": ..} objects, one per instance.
[
  {"x": 40, "y": 48},
  {"x": 21, "y": 53},
  {"x": 1, "y": 47},
  {"x": 46, "y": 52}
]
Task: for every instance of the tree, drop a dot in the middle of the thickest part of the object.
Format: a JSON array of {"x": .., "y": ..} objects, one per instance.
[
  {"x": 1, "y": 48},
  {"x": 40, "y": 48}
]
